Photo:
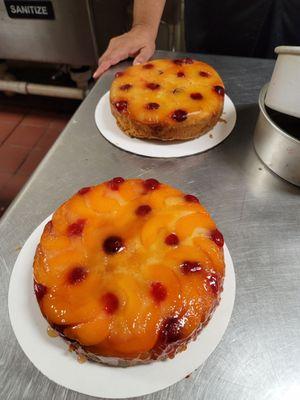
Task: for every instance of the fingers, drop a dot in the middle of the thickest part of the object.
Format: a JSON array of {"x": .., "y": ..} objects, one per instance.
[
  {"x": 103, "y": 66},
  {"x": 144, "y": 55}
]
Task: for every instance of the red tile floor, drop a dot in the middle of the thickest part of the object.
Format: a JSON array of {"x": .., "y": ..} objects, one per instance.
[{"x": 26, "y": 135}]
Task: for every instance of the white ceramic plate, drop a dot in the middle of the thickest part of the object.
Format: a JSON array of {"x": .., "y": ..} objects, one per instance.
[
  {"x": 108, "y": 127},
  {"x": 51, "y": 357}
]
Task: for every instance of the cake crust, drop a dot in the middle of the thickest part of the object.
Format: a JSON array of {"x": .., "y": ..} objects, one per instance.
[{"x": 167, "y": 99}]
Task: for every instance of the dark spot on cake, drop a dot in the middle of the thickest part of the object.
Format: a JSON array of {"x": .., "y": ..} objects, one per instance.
[
  {"x": 39, "y": 290},
  {"x": 148, "y": 66},
  {"x": 127, "y": 86},
  {"x": 113, "y": 245},
  {"x": 180, "y": 74},
  {"x": 180, "y": 61},
  {"x": 110, "y": 303},
  {"x": 77, "y": 275},
  {"x": 76, "y": 228},
  {"x": 172, "y": 240},
  {"x": 177, "y": 90},
  {"x": 218, "y": 238},
  {"x": 160, "y": 72},
  {"x": 191, "y": 198},
  {"x": 171, "y": 330},
  {"x": 115, "y": 183},
  {"x": 84, "y": 190},
  {"x": 121, "y": 105},
  {"x": 204, "y": 74},
  {"x": 158, "y": 291},
  {"x": 196, "y": 96},
  {"x": 179, "y": 115},
  {"x": 220, "y": 90},
  {"x": 151, "y": 184},
  {"x": 152, "y": 106},
  {"x": 152, "y": 86},
  {"x": 188, "y": 267},
  {"x": 143, "y": 210}
]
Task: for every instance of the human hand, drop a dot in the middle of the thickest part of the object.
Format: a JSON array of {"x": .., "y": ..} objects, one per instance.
[{"x": 139, "y": 43}]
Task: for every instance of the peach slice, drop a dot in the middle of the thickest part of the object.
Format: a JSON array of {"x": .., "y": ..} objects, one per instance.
[
  {"x": 213, "y": 251},
  {"x": 152, "y": 228},
  {"x": 186, "y": 225},
  {"x": 90, "y": 333}
]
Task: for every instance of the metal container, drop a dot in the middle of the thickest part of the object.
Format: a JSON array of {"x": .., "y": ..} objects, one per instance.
[{"x": 277, "y": 149}]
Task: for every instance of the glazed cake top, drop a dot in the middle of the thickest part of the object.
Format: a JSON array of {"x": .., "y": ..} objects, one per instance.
[
  {"x": 128, "y": 266},
  {"x": 167, "y": 91}
]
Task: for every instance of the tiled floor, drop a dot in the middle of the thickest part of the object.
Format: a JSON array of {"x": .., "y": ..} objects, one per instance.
[{"x": 26, "y": 135}]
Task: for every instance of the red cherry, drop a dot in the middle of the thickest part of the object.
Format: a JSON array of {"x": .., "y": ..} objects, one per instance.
[
  {"x": 127, "y": 86},
  {"x": 118, "y": 74},
  {"x": 152, "y": 106},
  {"x": 220, "y": 90},
  {"x": 213, "y": 282},
  {"x": 172, "y": 240},
  {"x": 180, "y": 74},
  {"x": 179, "y": 115},
  {"x": 148, "y": 66},
  {"x": 39, "y": 290},
  {"x": 158, "y": 291},
  {"x": 152, "y": 86},
  {"x": 84, "y": 190},
  {"x": 190, "y": 266},
  {"x": 143, "y": 210},
  {"x": 204, "y": 74},
  {"x": 181, "y": 61},
  {"x": 113, "y": 245},
  {"x": 151, "y": 184},
  {"x": 196, "y": 96},
  {"x": 76, "y": 228},
  {"x": 110, "y": 302},
  {"x": 218, "y": 238},
  {"x": 114, "y": 183},
  {"x": 190, "y": 198},
  {"x": 77, "y": 275},
  {"x": 121, "y": 105},
  {"x": 171, "y": 330}
]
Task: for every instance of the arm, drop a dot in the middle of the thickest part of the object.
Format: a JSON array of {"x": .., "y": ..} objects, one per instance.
[{"x": 139, "y": 42}]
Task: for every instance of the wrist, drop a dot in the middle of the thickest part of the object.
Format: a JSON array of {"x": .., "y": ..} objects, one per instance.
[{"x": 142, "y": 28}]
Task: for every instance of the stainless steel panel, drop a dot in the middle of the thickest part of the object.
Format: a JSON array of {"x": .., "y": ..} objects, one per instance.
[
  {"x": 67, "y": 39},
  {"x": 259, "y": 214}
]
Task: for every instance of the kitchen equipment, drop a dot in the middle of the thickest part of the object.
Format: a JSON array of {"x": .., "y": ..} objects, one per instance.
[
  {"x": 278, "y": 149},
  {"x": 284, "y": 89}
]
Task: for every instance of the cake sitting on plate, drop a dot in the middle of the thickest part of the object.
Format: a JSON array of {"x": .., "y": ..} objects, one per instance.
[
  {"x": 129, "y": 271},
  {"x": 167, "y": 99}
]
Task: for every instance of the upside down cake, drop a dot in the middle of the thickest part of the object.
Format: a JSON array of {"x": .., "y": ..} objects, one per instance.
[
  {"x": 167, "y": 99},
  {"x": 129, "y": 271}
]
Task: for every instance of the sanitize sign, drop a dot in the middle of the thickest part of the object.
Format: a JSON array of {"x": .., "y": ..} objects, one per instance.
[{"x": 29, "y": 9}]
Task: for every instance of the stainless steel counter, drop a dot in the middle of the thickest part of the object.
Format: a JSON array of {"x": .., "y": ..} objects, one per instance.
[{"x": 259, "y": 214}]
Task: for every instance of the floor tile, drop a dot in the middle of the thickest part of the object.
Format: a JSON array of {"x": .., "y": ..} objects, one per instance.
[
  {"x": 9, "y": 191},
  {"x": 32, "y": 161},
  {"x": 59, "y": 122},
  {"x": 5, "y": 129},
  {"x": 37, "y": 119},
  {"x": 4, "y": 177},
  {"x": 11, "y": 114},
  {"x": 26, "y": 136},
  {"x": 11, "y": 157}
]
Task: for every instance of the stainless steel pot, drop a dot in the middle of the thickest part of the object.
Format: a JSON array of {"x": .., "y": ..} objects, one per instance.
[{"x": 276, "y": 148}]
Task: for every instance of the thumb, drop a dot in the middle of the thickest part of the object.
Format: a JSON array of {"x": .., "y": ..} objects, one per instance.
[{"x": 143, "y": 56}]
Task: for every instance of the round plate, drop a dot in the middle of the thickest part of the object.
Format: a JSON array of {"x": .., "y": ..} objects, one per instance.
[
  {"x": 52, "y": 358},
  {"x": 108, "y": 127}
]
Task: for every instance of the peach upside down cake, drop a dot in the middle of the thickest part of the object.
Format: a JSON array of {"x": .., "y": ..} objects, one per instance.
[
  {"x": 167, "y": 99},
  {"x": 129, "y": 271}
]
